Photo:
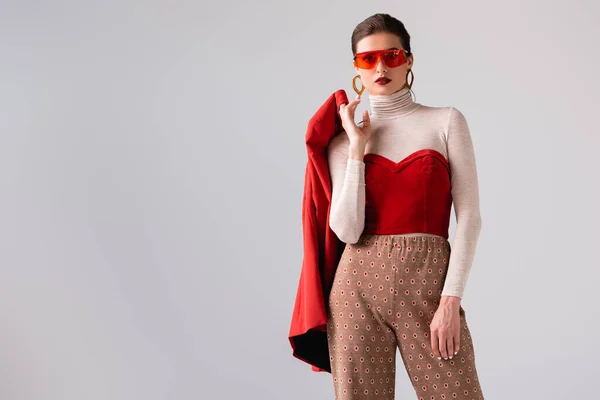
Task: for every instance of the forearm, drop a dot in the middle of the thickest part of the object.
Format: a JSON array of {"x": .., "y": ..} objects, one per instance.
[
  {"x": 462, "y": 255},
  {"x": 347, "y": 215}
]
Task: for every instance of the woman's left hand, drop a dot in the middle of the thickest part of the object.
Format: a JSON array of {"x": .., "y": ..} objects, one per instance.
[{"x": 445, "y": 328}]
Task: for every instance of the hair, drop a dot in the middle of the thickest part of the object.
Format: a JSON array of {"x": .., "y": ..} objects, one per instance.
[{"x": 381, "y": 23}]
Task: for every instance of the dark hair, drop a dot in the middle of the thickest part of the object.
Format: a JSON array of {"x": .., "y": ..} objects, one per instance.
[{"x": 381, "y": 23}]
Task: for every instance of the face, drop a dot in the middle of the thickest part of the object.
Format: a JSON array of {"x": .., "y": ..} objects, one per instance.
[{"x": 382, "y": 41}]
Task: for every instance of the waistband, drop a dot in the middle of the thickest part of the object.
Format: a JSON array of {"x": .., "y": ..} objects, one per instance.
[{"x": 402, "y": 240}]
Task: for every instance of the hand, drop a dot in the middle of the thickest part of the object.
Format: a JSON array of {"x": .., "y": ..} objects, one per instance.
[
  {"x": 358, "y": 136},
  {"x": 445, "y": 328}
]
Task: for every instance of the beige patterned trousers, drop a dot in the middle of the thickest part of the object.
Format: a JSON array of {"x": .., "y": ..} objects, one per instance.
[{"x": 385, "y": 293}]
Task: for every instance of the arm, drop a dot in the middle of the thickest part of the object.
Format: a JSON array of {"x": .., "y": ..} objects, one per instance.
[
  {"x": 347, "y": 171},
  {"x": 465, "y": 195}
]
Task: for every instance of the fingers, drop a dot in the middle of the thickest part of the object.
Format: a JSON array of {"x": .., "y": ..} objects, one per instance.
[
  {"x": 351, "y": 106},
  {"x": 435, "y": 345},
  {"x": 443, "y": 343},
  {"x": 354, "y": 103},
  {"x": 457, "y": 341},
  {"x": 450, "y": 346},
  {"x": 347, "y": 112},
  {"x": 366, "y": 119},
  {"x": 344, "y": 115}
]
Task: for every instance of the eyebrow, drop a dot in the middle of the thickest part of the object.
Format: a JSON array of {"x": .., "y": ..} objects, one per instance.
[{"x": 390, "y": 48}]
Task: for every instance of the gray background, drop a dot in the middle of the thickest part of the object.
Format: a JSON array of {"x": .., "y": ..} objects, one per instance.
[{"x": 151, "y": 168}]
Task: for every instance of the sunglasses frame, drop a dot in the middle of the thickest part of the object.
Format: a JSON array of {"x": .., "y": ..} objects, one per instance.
[{"x": 378, "y": 54}]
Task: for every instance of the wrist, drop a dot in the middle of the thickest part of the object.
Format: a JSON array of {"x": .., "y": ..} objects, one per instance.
[
  {"x": 450, "y": 301},
  {"x": 357, "y": 151}
]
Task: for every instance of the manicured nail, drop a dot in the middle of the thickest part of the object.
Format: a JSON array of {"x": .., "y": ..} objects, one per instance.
[
  {"x": 451, "y": 357},
  {"x": 439, "y": 358},
  {"x": 456, "y": 352},
  {"x": 445, "y": 358}
]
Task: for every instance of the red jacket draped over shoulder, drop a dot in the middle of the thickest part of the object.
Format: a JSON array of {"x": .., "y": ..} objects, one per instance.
[{"x": 322, "y": 248}]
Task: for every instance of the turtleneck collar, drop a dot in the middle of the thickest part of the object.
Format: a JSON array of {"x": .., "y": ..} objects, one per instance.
[{"x": 392, "y": 105}]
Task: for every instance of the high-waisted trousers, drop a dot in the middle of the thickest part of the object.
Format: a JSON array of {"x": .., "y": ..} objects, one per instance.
[{"x": 384, "y": 295}]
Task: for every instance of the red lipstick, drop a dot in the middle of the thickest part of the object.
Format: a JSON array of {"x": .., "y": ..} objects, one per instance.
[{"x": 383, "y": 81}]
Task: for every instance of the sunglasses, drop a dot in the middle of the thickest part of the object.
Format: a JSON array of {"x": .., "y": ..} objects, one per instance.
[{"x": 391, "y": 58}]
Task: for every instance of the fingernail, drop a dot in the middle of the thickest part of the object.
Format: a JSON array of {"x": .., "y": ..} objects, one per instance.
[
  {"x": 439, "y": 358},
  {"x": 445, "y": 358},
  {"x": 451, "y": 357},
  {"x": 456, "y": 352}
]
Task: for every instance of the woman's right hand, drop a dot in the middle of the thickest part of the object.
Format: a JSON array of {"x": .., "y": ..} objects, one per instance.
[{"x": 358, "y": 136}]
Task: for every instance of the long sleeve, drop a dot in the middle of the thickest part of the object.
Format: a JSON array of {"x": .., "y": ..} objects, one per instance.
[
  {"x": 465, "y": 194},
  {"x": 347, "y": 214}
]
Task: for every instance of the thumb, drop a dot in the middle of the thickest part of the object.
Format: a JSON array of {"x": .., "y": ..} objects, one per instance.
[{"x": 366, "y": 119}]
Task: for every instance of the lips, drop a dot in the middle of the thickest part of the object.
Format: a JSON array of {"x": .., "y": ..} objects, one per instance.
[{"x": 383, "y": 81}]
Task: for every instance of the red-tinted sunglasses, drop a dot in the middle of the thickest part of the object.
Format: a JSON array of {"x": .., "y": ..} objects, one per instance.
[{"x": 391, "y": 58}]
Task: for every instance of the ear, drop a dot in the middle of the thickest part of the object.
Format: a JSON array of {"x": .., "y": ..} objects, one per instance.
[{"x": 411, "y": 61}]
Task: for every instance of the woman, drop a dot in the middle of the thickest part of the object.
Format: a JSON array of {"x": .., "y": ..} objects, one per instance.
[{"x": 394, "y": 177}]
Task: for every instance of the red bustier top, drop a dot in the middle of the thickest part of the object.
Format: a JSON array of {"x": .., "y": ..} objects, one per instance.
[{"x": 412, "y": 195}]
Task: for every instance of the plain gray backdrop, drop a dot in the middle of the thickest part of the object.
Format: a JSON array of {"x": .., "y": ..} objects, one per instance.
[{"x": 151, "y": 167}]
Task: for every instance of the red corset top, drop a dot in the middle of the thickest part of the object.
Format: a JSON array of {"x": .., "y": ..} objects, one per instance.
[{"x": 412, "y": 195}]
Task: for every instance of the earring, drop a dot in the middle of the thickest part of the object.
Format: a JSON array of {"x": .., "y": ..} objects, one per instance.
[
  {"x": 362, "y": 89},
  {"x": 409, "y": 85}
]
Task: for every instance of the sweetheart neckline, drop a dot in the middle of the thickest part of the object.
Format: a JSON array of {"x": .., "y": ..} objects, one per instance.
[{"x": 397, "y": 166}]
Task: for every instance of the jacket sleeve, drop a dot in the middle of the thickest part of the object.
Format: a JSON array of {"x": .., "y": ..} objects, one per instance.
[
  {"x": 465, "y": 195},
  {"x": 347, "y": 215}
]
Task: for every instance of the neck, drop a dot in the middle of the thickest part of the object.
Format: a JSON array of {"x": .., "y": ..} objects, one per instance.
[{"x": 392, "y": 105}]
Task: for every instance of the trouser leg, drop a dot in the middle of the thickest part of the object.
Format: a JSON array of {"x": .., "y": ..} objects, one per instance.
[
  {"x": 362, "y": 344},
  {"x": 421, "y": 274}
]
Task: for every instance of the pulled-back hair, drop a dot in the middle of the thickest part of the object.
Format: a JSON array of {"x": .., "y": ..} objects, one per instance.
[{"x": 381, "y": 23}]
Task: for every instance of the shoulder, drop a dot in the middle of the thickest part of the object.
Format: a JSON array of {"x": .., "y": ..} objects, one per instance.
[
  {"x": 449, "y": 116},
  {"x": 439, "y": 118},
  {"x": 441, "y": 112},
  {"x": 448, "y": 120},
  {"x": 457, "y": 120}
]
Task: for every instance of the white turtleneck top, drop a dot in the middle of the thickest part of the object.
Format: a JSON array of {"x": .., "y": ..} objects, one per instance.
[{"x": 401, "y": 127}]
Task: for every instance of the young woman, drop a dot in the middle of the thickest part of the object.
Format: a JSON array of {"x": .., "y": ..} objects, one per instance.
[{"x": 394, "y": 178}]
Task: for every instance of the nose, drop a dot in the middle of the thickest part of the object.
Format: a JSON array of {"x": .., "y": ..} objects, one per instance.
[{"x": 381, "y": 67}]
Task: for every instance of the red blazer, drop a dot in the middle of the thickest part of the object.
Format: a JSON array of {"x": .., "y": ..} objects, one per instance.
[{"x": 322, "y": 248}]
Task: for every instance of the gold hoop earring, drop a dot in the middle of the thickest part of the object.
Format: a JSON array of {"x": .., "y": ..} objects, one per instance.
[
  {"x": 409, "y": 85},
  {"x": 362, "y": 89}
]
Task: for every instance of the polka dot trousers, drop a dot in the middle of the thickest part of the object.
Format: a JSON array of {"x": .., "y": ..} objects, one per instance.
[{"x": 384, "y": 295}]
